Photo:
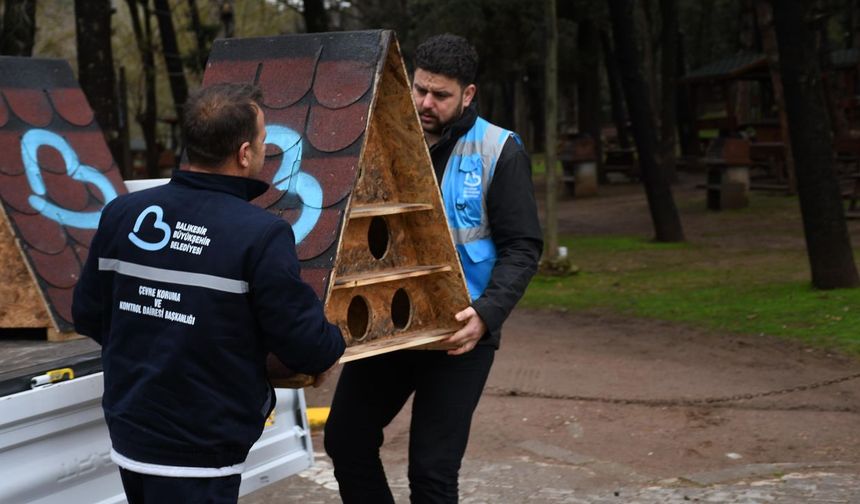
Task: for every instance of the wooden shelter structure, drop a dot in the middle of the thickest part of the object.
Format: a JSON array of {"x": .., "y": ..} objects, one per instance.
[
  {"x": 736, "y": 97},
  {"x": 56, "y": 175},
  {"x": 351, "y": 172}
]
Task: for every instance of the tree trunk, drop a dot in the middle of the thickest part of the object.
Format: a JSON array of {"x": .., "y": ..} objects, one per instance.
[
  {"x": 838, "y": 122},
  {"x": 228, "y": 18},
  {"x": 551, "y": 121},
  {"x": 19, "y": 28},
  {"x": 616, "y": 91},
  {"x": 200, "y": 37},
  {"x": 521, "y": 110},
  {"x": 664, "y": 213},
  {"x": 700, "y": 53},
  {"x": 669, "y": 67},
  {"x": 95, "y": 67},
  {"x": 684, "y": 107},
  {"x": 315, "y": 16},
  {"x": 588, "y": 86},
  {"x": 172, "y": 59},
  {"x": 764, "y": 20},
  {"x": 146, "y": 117},
  {"x": 126, "y": 167},
  {"x": 647, "y": 53},
  {"x": 827, "y": 241}
]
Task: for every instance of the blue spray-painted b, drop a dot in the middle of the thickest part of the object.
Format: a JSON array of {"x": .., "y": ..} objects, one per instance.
[
  {"x": 30, "y": 144},
  {"x": 289, "y": 178}
]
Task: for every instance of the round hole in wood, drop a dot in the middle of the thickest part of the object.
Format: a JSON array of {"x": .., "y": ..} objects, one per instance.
[
  {"x": 377, "y": 237},
  {"x": 358, "y": 318},
  {"x": 401, "y": 309}
]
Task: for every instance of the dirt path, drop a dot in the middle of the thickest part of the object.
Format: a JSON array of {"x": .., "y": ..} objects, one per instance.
[
  {"x": 595, "y": 407},
  {"x": 602, "y": 407}
]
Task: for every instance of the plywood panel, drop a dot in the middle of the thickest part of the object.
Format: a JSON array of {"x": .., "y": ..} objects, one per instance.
[{"x": 20, "y": 302}]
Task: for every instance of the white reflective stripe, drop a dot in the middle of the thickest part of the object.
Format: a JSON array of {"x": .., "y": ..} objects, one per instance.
[
  {"x": 173, "y": 276},
  {"x": 174, "y": 471},
  {"x": 466, "y": 235}
]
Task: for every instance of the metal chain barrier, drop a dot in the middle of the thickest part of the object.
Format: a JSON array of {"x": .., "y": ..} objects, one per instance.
[{"x": 708, "y": 401}]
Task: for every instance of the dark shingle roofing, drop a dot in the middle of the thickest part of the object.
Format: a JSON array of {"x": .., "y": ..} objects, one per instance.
[
  {"x": 728, "y": 68},
  {"x": 56, "y": 173},
  {"x": 318, "y": 89}
]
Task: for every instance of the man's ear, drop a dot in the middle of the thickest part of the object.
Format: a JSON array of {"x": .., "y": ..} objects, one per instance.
[
  {"x": 469, "y": 93},
  {"x": 243, "y": 156}
]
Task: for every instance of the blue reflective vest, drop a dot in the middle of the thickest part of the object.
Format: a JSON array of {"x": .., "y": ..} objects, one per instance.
[{"x": 465, "y": 183}]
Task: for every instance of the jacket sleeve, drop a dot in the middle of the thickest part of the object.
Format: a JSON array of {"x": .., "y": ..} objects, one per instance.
[
  {"x": 516, "y": 233},
  {"x": 290, "y": 315},
  {"x": 87, "y": 303}
]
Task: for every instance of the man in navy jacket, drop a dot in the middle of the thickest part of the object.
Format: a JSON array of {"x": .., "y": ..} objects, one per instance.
[{"x": 188, "y": 287}]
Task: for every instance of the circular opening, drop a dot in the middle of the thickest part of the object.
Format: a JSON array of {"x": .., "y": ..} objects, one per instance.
[
  {"x": 357, "y": 318},
  {"x": 401, "y": 309},
  {"x": 377, "y": 237}
]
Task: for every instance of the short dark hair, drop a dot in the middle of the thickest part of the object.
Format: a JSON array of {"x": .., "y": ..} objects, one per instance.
[
  {"x": 217, "y": 120},
  {"x": 449, "y": 55}
]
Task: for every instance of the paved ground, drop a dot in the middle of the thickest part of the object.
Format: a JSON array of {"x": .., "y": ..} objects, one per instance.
[{"x": 592, "y": 408}]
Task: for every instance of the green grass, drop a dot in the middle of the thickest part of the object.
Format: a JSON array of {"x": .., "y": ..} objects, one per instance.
[
  {"x": 539, "y": 164},
  {"x": 739, "y": 290}
]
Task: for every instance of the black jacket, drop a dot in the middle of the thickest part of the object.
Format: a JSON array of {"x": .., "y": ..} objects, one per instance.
[
  {"x": 514, "y": 225},
  {"x": 188, "y": 287}
]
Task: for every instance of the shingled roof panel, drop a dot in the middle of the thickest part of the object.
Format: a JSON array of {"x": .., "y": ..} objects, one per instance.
[
  {"x": 334, "y": 130},
  {"x": 317, "y": 278},
  {"x": 279, "y": 92},
  {"x": 30, "y": 105},
  {"x": 91, "y": 150},
  {"x": 325, "y": 231},
  {"x": 58, "y": 270},
  {"x": 294, "y": 117},
  {"x": 72, "y": 105},
  {"x": 39, "y": 233},
  {"x": 10, "y": 145},
  {"x": 15, "y": 192},
  {"x": 336, "y": 174},
  {"x": 50, "y": 161},
  {"x": 342, "y": 83},
  {"x": 56, "y": 174},
  {"x": 81, "y": 252},
  {"x": 317, "y": 91},
  {"x": 66, "y": 193},
  {"x": 81, "y": 236},
  {"x": 4, "y": 111},
  {"x": 239, "y": 71},
  {"x": 61, "y": 302}
]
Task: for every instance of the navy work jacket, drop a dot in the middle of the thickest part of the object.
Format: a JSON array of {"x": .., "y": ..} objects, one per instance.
[{"x": 188, "y": 287}]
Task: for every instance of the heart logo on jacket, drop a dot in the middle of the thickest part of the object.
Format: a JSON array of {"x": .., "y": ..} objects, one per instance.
[{"x": 158, "y": 224}]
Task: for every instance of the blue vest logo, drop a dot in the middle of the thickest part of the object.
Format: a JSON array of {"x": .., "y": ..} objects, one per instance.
[
  {"x": 158, "y": 224},
  {"x": 472, "y": 180}
]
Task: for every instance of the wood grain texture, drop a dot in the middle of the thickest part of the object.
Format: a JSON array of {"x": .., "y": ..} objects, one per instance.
[
  {"x": 388, "y": 275},
  {"x": 406, "y": 341},
  {"x": 396, "y": 238},
  {"x": 379, "y": 209},
  {"x": 21, "y": 305}
]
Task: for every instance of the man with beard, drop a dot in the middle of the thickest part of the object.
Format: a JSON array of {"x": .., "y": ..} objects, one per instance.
[{"x": 485, "y": 177}]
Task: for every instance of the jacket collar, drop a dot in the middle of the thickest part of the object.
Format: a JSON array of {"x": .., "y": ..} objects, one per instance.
[{"x": 245, "y": 188}]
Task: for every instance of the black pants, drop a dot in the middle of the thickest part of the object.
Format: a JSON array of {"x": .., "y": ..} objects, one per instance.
[
  {"x": 147, "y": 489},
  {"x": 369, "y": 395}
]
